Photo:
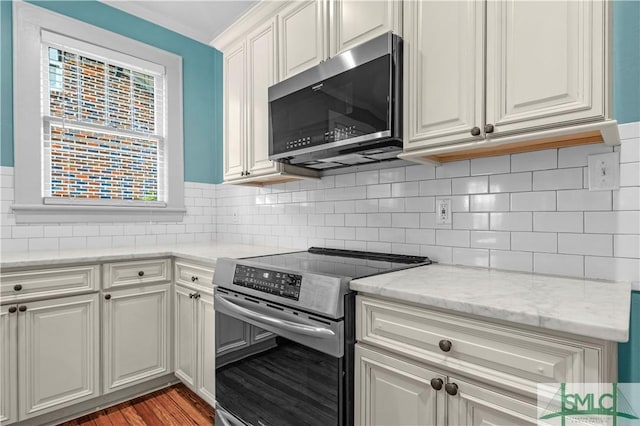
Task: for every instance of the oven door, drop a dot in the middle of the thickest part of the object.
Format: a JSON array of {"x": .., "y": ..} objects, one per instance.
[{"x": 283, "y": 367}]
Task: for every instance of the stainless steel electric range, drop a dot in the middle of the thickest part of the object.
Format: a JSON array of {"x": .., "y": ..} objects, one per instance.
[{"x": 285, "y": 333}]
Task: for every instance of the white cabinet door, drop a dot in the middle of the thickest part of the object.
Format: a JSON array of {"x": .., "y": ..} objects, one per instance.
[
  {"x": 234, "y": 112},
  {"x": 545, "y": 63},
  {"x": 475, "y": 406},
  {"x": 8, "y": 365},
  {"x": 356, "y": 21},
  {"x": 303, "y": 36},
  {"x": 185, "y": 316},
  {"x": 261, "y": 73},
  {"x": 389, "y": 391},
  {"x": 206, "y": 349},
  {"x": 443, "y": 71},
  {"x": 136, "y": 335},
  {"x": 58, "y": 349},
  {"x": 231, "y": 334}
]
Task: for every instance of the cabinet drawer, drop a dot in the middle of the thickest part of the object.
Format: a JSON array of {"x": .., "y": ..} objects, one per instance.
[
  {"x": 506, "y": 356},
  {"x": 193, "y": 275},
  {"x": 54, "y": 282},
  {"x": 122, "y": 274}
]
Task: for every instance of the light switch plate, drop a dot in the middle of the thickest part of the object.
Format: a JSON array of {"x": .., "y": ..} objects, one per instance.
[{"x": 604, "y": 171}]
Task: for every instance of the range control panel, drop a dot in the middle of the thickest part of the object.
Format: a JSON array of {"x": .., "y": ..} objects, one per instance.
[{"x": 267, "y": 281}]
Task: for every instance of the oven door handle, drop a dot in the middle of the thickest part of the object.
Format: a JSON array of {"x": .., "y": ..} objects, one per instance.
[{"x": 294, "y": 327}]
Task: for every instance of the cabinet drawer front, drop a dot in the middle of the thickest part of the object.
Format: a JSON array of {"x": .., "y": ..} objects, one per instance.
[
  {"x": 192, "y": 275},
  {"x": 26, "y": 285},
  {"x": 502, "y": 355},
  {"x": 123, "y": 274}
]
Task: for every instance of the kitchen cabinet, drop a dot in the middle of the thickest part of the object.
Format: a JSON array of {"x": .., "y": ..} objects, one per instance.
[
  {"x": 8, "y": 364},
  {"x": 303, "y": 36},
  {"x": 353, "y": 22},
  {"x": 504, "y": 75},
  {"x": 57, "y": 343},
  {"x": 250, "y": 67},
  {"x": 484, "y": 372},
  {"x": 136, "y": 335}
]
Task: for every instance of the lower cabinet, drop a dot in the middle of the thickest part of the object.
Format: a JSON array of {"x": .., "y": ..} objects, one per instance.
[
  {"x": 195, "y": 324},
  {"x": 136, "y": 335},
  {"x": 57, "y": 344},
  {"x": 392, "y": 391}
]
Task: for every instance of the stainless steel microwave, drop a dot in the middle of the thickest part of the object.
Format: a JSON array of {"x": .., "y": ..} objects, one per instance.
[{"x": 345, "y": 111}]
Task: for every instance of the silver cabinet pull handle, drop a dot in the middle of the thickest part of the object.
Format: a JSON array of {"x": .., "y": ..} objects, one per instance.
[{"x": 265, "y": 319}]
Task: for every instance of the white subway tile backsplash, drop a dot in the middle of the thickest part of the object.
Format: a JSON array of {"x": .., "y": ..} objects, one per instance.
[
  {"x": 420, "y": 204},
  {"x": 348, "y": 179},
  {"x": 405, "y": 220},
  {"x": 558, "y": 264},
  {"x": 471, "y": 221},
  {"x": 627, "y": 199},
  {"x": 513, "y": 182},
  {"x": 367, "y": 234},
  {"x": 392, "y": 235},
  {"x": 489, "y": 203},
  {"x": 421, "y": 236},
  {"x": 379, "y": 191},
  {"x": 396, "y": 174},
  {"x": 586, "y": 244},
  {"x": 449, "y": 237},
  {"x": 630, "y": 174},
  {"x": 471, "y": 257},
  {"x": 534, "y": 241},
  {"x": 537, "y": 160},
  {"x": 358, "y": 219},
  {"x": 511, "y": 260},
  {"x": 470, "y": 185},
  {"x": 491, "y": 165},
  {"x": 437, "y": 253},
  {"x": 345, "y": 206},
  {"x": 558, "y": 179},
  {"x": 26, "y": 231},
  {"x": 459, "y": 203},
  {"x": 367, "y": 178},
  {"x": 533, "y": 201},
  {"x": 453, "y": 169},
  {"x": 629, "y": 130},
  {"x": 405, "y": 189},
  {"x": 626, "y": 246},
  {"x": 558, "y": 221},
  {"x": 377, "y": 220},
  {"x": 396, "y": 205},
  {"x": 612, "y": 268},
  {"x": 420, "y": 172},
  {"x": 510, "y": 221},
  {"x": 490, "y": 239},
  {"x": 583, "y": 200},
  {"x": 630, "y": 150},
  {"x": 435, "y": 187},
  {"x": 576, "y": 156},
  {"x": 367, "y": 206}
]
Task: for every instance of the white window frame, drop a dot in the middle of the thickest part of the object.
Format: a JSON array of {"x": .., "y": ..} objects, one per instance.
[{"x": 29, "y": 23}]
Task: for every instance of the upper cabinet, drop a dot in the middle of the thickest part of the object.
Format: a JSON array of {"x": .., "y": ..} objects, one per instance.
[
  {"x": 483, "y": 78},
  {"x": 354, "y": 22},
  {"x": 271, "y": 43},
  {"x": 303, "y": 36}
]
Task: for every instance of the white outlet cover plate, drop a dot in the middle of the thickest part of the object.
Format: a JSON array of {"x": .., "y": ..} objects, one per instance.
[
  {"x": 443, "y": 211},
  {"x": 604, "y": 171}
]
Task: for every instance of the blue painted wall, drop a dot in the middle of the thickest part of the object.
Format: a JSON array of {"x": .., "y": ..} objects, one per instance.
[
  {"x": 201, "y": 72},
  {"x": 626, "y": 61},
  {"x": 629, "y": 353}
]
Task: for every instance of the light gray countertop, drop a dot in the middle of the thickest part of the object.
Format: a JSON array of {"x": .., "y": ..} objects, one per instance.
[
  {"x": 598, "y": 309},
  {"x": 206, "y": 253}
]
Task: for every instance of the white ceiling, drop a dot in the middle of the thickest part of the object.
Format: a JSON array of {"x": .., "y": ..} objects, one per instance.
[{"x": 201, "y": 20}]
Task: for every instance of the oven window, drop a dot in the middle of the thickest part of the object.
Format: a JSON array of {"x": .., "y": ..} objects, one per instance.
[
  {"x": 285, "y": 383},
  {"x": 348, "y": 105}
]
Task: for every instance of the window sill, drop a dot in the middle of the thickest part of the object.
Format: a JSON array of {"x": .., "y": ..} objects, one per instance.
[{"x": 38, "y": 213}]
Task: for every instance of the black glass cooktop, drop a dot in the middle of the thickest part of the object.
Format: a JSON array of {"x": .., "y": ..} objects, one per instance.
[{"x": 344, "y": 263}]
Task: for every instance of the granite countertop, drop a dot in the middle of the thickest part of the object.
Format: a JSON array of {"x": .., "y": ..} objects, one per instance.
[
  {"x": 598, "y": 309},
  {"x": 205, "y": 253}
]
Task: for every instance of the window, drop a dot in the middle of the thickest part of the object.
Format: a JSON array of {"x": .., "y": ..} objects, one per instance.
[{"x": 110, "y": 142}]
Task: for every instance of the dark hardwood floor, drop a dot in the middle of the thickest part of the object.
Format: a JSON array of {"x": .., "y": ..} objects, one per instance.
[{"x": 175, "y": 405}]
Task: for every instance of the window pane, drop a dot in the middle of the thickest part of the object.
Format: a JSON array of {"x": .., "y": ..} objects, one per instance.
[
  {"x": 93, "y": 165},
  {"x": 119, "y": 95},
  {"x": 63, "y": 95},
  {"x": 92, "y": 91}
]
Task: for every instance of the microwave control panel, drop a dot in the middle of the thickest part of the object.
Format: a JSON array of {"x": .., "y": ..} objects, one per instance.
[{"x": 281, "y": 284}]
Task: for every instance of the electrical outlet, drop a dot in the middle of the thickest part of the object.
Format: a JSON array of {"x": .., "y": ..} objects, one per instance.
[
  {"x": 235, "y": 214},
  {"x": 604, "y": 171},
  {"x": 443, "y": 211}
]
